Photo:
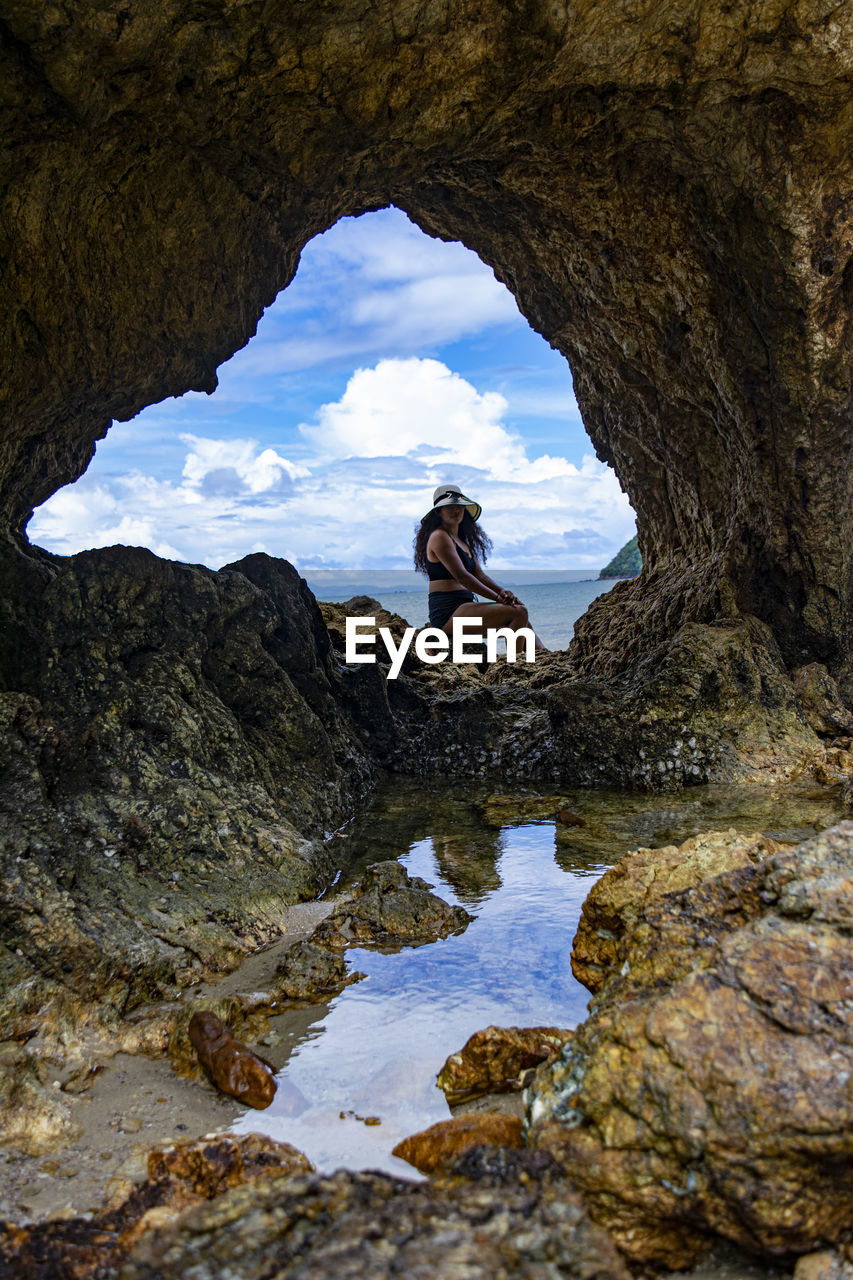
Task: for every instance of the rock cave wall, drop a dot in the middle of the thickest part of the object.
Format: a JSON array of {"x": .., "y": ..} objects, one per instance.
[{"x": 664, "y": 187}]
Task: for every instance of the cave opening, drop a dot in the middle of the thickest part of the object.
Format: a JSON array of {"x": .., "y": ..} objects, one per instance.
[{"x": 392, "y": 362}]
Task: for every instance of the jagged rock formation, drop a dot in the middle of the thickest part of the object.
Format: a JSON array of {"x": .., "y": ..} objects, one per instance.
[
  {"x": 496, "y": 1213},
  {"x": 710, "y": 1088},
  {"x": 665, "y": 191},
  {"x": 178, "y": 1176},
  {"x": 172, "y": 752},
  {"x": 176, "y": 741}
]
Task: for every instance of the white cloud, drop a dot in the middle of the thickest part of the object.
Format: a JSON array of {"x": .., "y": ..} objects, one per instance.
[
  {"x": 239, "y": 460},
  {"x": 371, "y": 287},
  {"x": 398, "y": 430},
  {"x": 421, "y": 409}
]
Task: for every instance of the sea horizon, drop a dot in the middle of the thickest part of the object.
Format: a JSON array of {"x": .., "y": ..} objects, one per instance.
[
  {"x": 554, "y": 602},
  {"x": 348, "y": 582}
]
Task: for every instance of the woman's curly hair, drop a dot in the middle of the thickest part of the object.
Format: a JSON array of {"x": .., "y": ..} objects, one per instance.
[{"x": 469, "y": 532}]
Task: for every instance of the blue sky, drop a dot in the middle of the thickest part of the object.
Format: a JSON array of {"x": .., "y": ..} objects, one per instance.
[{"x": 392, "y": 363}]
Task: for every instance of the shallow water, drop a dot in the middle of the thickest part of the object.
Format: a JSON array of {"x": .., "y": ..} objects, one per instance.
[{"x": 373, "y": 1052}]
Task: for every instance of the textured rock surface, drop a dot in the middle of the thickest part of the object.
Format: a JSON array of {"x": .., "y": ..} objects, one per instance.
[
  {"x": 718, "y": 705},
  {"x": 711, "y": 1088},
  {"x": 497, "y": 1060},
  {"x": 390, "y": 908},
  {"x": 178, "y": 1176},
  {"x": 173, "y": 749},
  {"x": 827, "y": 1264},
  {"x": 618, "y": 900},
  {"x": 665, "y": 191},
  {"x": 501, "y": 1213},
  {"x": 313, "y": 973},
  {"x": 435, "y": 1148},
  {"x": 33, "y": 1118},
  {"x": 230, "y": 1065},
  {"x": 821, "y": 699}
]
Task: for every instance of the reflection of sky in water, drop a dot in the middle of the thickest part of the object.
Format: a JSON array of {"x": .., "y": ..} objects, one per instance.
[
  {"x": 376, "y": 1049},
  {"x": 382, "y": 1041}
]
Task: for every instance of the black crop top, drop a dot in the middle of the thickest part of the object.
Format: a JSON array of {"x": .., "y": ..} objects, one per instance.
[{"x": 436, "y": 571}]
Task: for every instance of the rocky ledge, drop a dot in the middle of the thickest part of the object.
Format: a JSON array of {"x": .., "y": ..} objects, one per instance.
[{"x": 709, "y": 1091}]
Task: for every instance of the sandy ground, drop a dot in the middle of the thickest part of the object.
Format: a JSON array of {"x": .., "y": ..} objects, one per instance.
[{"x": 136, "y": 1103}]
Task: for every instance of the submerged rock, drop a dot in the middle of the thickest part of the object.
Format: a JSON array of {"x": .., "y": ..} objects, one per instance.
[
  {"x": 390, "y": 908},
  {"x": 498, "y": 1060},
  {"x": 313, "y": 973},
  {"x": 179, "y": 1176},
  {"x": 711, "y": 1088},
  {"x": 435, "y": 1148},
  {"x": 230, "y": 1065},
  {"x": 499, "y": 1213}
]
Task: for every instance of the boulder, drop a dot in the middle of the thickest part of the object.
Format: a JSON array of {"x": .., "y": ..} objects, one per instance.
[
  {"x": 230, "y": 1065},
  {"x": 435, "y": 1148},
  {"x": 498, "y": 1212},
  {"x": 179, "y": 1176},
  {"x": 312, "y": 973},
  {"x": 711, "y": 1088},
  {"x": 617, "y": 901},
  {"x": 498, "y": 1060},
  {"x": 390, "y": 908}
]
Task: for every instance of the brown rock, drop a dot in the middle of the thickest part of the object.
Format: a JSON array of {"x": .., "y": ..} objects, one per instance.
[
  {"x": 498, "y": 1060},
  {"x": 502, "y": 808},
  {"x": 178, "y": 1176},
  {"x": 711, "y": 1088},
  {"x": 229, "y": 1064},
  {"x": 826, "y": 1265},
  {"x": 820, "y": 699},
  {"x": 309, "y": 972},
  {"x": 389, "y": 908},
  {"x": 436, "y": 1147},
  {"x": 208, "y": 1166},
  {"x": 499, "y": 1213},
  {"x": 835, "y": 767},
  {"x": 34, "y": 1118},
  {"x": 618, "y": 900}
]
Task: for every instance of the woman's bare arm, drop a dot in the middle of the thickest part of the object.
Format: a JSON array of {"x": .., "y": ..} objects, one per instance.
[{"x": 503, "y": 594}]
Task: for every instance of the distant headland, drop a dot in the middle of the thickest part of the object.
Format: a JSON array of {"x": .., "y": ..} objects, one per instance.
[{"x": 627, "y": 563}]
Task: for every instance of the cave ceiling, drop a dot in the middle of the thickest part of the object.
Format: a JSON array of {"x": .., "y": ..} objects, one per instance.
[{"x": 664, "y": 186}]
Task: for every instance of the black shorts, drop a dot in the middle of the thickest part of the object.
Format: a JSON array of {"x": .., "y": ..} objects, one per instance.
[{"x": 443, "y": 605}]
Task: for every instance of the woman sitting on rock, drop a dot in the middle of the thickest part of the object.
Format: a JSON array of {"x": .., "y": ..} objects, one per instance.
[{"x": 448, "y": 547}]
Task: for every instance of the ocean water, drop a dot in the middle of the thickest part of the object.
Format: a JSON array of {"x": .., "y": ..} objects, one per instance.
[{"x": 553, "y": 607}]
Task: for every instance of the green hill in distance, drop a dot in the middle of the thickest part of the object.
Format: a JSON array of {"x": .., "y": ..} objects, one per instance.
[{"x": 627, "y": 563}]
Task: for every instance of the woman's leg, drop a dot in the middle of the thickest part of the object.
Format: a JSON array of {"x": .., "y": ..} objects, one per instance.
[{"x": 494, "y": 615}]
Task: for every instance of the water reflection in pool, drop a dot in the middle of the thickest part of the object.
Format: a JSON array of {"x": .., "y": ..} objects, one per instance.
[{"x": 374, "y": 1051}]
